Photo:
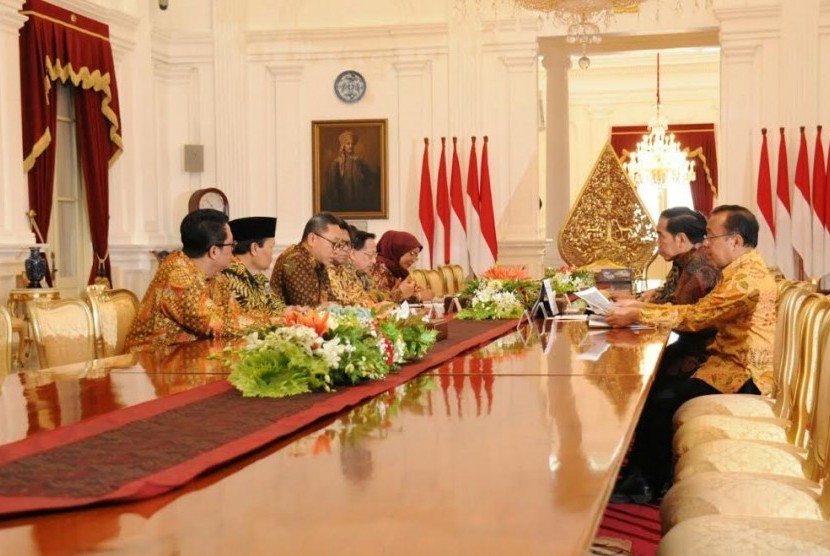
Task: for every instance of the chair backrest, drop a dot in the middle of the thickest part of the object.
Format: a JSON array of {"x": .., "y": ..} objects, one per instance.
[
  {"x": 5, "y": 342},
  {"x": 420, "y": 277},
  {"x": 62, "y": 331},
  {"x": 113, "y": 312},
  {"x": 817, "y": 464},
  {"x": 450, "y": 285},
  {"x": 810, "y": 324},
  {"x": 458, "y": 272},
  {"x": 786, "y": 350},
  {"x": 435, "y": 282}
]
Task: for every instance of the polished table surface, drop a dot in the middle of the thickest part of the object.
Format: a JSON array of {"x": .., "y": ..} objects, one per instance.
[{"x": 509, "y": 449}]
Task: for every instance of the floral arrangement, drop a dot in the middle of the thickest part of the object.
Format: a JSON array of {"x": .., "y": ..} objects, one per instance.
[
  {"x": 316, "y": 350},
  {"x": 569, "y": 279},
  {"x": 499, "y": 293}
]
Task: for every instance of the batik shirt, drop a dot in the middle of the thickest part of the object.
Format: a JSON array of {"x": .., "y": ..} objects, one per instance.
[
  {"x": 693, "y": 274},
  {"x": 386, "y": 282},
  {"x": 183, "y": 304},
  {"x": 742, "y": 309},
  {"x": 299, "y": 279},
  {"x": 348, "y": 287},
  {"x": 252, "y": 291}
]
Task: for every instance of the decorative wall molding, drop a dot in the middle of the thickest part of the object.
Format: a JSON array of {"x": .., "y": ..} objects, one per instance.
[
  {"x": 181, "y": 48},
  {"x": 10, "y": 18}
]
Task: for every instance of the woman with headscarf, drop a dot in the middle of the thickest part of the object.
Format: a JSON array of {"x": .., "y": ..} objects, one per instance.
[{"x": 397, "y": 252}]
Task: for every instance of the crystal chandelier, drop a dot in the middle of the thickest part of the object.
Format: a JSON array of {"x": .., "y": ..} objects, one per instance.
[
  {"x": 582, "y": 18},
  {"x": 659, "y": 161}
]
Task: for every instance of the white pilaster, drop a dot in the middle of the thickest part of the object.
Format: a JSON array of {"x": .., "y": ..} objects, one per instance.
[
  {"x": 230, "y": 95},
  {"x": 557, "y": 200},
  {"x": 14, "y": 224}
]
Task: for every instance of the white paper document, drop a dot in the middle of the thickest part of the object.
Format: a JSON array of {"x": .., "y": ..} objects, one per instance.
[{"x": 598, "y": 303}]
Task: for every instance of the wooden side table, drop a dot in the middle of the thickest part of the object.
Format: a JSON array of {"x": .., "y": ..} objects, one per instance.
[{"x": 18, "y": 298}]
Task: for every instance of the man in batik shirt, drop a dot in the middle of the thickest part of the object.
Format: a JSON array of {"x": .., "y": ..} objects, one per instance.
[
  {"x": 189, "y": 297},
  {"x": 350, "y": 282},
  {"x": 252, "y": 257},
  {"x": 742, "y": 310},
  {"x": 680, "y": 235},
  {"x": 299, "y": 277}
]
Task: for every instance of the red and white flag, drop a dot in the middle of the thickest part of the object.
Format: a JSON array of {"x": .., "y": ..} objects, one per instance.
[
  {"x": 474, "y": 240},
  {"x": 486, "y": 214},
  {"x": 442, "y": 207},
  {"x": 763, "y": 198},
  {"x": 426, "y": 210},
  {"x": 458, "y": 220},
  {"x": 802, "y": 213},
  {"x": 827, "y": 218},
  {"x": 819, "y": 217},
  {"x": 783, "y": 222}
]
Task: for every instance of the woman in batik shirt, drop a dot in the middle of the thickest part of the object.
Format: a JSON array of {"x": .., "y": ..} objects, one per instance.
[{"x": 397, "y": 252}]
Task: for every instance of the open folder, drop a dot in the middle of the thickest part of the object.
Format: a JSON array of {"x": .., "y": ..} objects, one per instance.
[{"x": 598, "y": 303}]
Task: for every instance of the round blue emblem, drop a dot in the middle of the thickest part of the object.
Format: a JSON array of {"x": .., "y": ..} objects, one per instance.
[{"x": 349, "y": 86}]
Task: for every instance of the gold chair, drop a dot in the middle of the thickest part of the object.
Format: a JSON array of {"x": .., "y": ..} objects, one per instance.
[
  {"x": 458, "y": 273},
  {"x": 435, "y": 282},
  {"x": 5, "y": 342},
  {"x": 419, "y": 277},
  {"x": 113, "y": 312},
  {"x": 62, "y": 331},
  {"x": 450, "y": 285}
]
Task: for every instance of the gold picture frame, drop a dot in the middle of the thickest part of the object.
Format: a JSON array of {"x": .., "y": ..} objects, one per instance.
[{"x": 349, "y": 168}]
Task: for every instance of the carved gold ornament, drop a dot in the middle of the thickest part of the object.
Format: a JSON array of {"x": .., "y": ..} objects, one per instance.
[{"x": 608, "y": 220}]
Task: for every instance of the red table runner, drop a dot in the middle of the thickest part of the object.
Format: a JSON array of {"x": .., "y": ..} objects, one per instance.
[{"x": 151, "y": 448}]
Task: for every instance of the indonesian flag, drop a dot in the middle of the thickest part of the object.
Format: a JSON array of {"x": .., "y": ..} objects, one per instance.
[
  {"x": 819, "y": 215},
  {"x": 442, "y": 205},
  {"x": 488, "y": 220},
  {"x": 827, "y": 216},
  {"x": 474, "y": 239},
  {"x": 766, "y": 232},
  {"x": 458, "y": 221},
  {"x": 426, "y": 212},
  {"x": 783, "y": 222},
  {"x": 802, "y": 215}
]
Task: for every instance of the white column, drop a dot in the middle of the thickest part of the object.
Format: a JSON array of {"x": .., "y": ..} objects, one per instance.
[
  {"x": 285, "y": 116},
  {"x": 557, "y": 156},
  {"x": 230, "y": 97},
  {"x": 14, "y": 224}
]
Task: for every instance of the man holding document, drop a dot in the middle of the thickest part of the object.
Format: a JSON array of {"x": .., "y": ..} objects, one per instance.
[{"x": 742, "y": 310}]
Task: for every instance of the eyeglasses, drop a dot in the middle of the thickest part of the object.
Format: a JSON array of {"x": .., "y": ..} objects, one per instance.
[
  {"x": 231, "y": 244},
  {"x": 707, "y": 238},
  {"x": 336, "y": 245}
]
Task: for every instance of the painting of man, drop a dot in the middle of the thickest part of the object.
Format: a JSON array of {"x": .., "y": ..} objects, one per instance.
[{"x": 350, "y": 168}]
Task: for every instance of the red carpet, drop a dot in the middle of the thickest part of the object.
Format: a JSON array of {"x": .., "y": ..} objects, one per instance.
[
  {"x": 637, "y": 523},
  {"x": 151, "y": 448}
]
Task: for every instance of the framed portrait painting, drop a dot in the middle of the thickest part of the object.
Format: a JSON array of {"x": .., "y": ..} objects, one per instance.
[{"x": 349, "y": 163}]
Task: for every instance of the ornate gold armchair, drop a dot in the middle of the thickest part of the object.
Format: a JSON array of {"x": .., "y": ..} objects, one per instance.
[
  {"x": 62, "y": 331},
  {"x": 113, "y": 312},
  {"x": 608, "y": 225}
]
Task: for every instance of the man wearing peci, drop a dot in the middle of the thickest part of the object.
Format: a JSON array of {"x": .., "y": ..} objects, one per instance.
[{"x": 252, "y": 257}]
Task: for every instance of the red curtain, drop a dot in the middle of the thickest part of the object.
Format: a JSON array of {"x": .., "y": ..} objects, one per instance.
[
  {"x": 699, "y": 139},
  {"x": 56, "y": 44}
]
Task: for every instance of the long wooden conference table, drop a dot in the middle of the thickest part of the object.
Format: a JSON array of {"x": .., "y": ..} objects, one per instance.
[{"x": 509, "y": 448}]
